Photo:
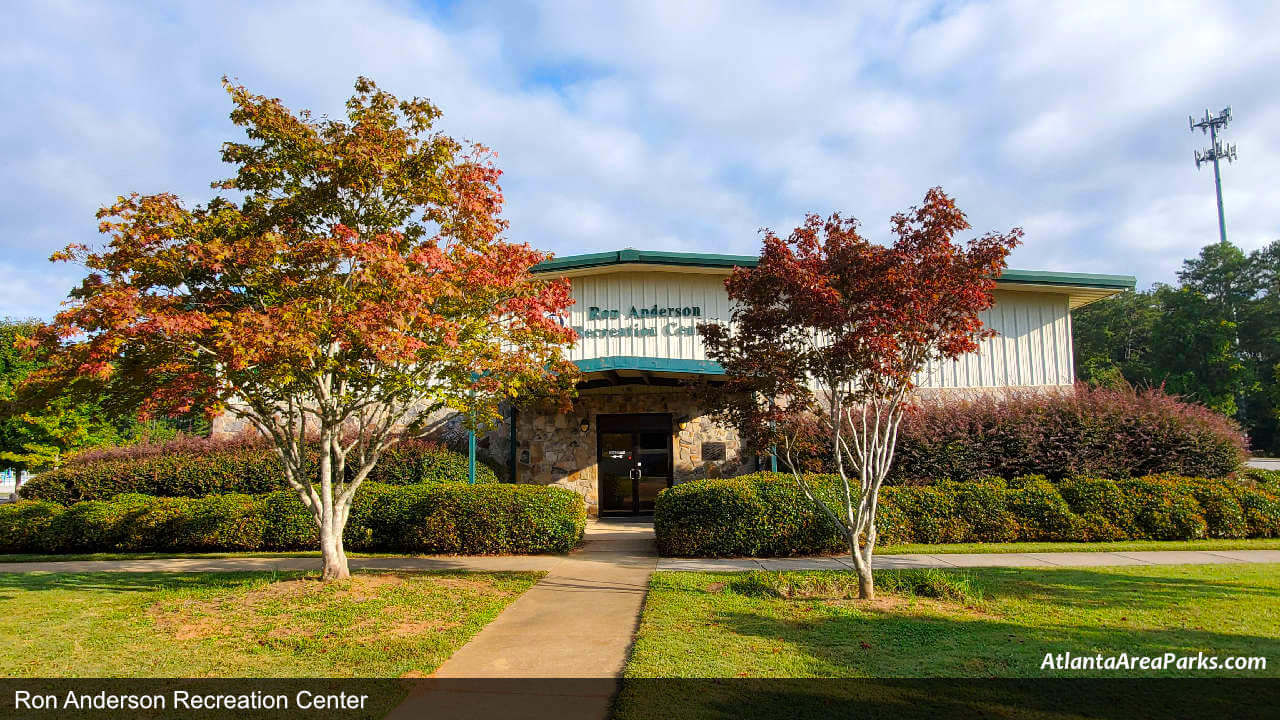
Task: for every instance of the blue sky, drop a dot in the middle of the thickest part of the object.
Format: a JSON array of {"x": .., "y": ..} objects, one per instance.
[{"x": 677, "y": 126}]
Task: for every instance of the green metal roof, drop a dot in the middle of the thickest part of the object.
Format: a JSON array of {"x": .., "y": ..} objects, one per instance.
[
  {"x": 1046, "y": 277},
  {"x": 644, "y": 257},
  {"x": 715, "y": 260}
]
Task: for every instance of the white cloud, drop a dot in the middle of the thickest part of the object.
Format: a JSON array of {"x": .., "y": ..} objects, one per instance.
[
  {"x": 34, "y": 293},
  {"x": 674, "y": 125}
]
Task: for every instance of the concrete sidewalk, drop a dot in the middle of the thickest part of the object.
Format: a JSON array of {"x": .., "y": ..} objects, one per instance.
[
  {"x": 577, "y": 622},
  {"x": 627, "y": 543},
  {"x": 978, "y": 560},
  {"x": 515, "y": 563}
]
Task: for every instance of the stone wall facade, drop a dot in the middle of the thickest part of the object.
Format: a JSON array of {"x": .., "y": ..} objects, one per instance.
[{"x": 552, "y": 447}]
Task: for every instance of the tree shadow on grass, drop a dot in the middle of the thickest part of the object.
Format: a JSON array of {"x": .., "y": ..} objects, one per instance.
[
  {"x": 895, "y": 644},
  {"x": 933, "y": 699},
  {"x": 944, "y": 660},
  {"x": 1091, "y": 588}
]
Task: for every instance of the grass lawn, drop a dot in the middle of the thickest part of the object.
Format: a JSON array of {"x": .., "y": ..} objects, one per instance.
[
  {"x": 990, "y": 640},
  {"x": 713, "y": 625},
  {"x": 243, "y": 624}
]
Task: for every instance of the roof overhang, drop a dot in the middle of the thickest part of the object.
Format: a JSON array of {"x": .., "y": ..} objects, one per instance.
[
  {"x": 660, "y": 366},
  {"x": 1080, "y": 288},
  {"x": 616, "y": 370}
]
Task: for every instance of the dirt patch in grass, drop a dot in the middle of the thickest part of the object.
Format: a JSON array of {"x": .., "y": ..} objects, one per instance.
[
  {"x": 185, "y": 622},
  {"x": 409, "y": 629},
  {"x": 884, "y": 603},
  {"x": 192, "y": 628},
  {"x": 194, "y": 619},
  {"x": 890, "y": 604},
  {"x": 475, "y": 586},
  {"x": 358, "y": 587},
  {"x": 265, "y": 610}
]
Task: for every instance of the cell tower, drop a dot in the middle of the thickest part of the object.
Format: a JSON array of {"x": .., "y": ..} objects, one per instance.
[{"x": 1211, "y": 123}]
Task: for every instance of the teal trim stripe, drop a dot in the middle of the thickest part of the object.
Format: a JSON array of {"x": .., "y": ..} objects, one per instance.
[
  {"x": 633, "y": 362},
  {"x": 648, "y": 257}
]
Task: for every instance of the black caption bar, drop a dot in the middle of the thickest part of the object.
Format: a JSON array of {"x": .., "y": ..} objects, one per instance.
[{"x": 636, "y": 699}]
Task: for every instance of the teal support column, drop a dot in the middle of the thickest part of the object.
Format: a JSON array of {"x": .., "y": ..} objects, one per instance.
[
  {"x": 773, "y": 458},
  {"x": 511, "y": 444},
  {"x": 471, "y": 456}
]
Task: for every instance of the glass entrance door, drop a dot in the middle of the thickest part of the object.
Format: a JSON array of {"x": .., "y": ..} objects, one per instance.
[
  {"x": 616, "y": 462},
  {"x": 634, "y": 461}
]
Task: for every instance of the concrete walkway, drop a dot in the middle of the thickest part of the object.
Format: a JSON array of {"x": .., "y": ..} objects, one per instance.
[
  {"x": 629, "y": 545},
  {"x": 978, "y": 560},
  {"x": 514, "y": 563},
  {"x": 577, "y": 622}
]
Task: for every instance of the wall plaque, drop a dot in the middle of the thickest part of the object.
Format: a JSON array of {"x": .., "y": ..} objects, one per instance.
[{"x": 712, "y": 451}]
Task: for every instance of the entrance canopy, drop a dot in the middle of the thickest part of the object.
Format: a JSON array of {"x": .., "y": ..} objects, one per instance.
[{"x": 633, "y": 370}]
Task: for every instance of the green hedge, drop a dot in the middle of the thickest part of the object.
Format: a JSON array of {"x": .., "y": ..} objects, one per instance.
[
  {"x": 765, "y": 515},
  {"x": 427, "y": 518},
  {"x": 251, "y": 470}
]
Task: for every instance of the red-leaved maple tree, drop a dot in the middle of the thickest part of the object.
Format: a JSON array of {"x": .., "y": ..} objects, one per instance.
[
  {"x": 355, "y": 283},
  {"x": 833, "y": 329}
]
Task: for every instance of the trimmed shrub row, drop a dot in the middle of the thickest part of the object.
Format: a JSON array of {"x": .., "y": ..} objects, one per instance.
[
  {"x": 765, "y": 515},
  {"x": 427, "y": 518},
  {"x": 250, "y": 469}
]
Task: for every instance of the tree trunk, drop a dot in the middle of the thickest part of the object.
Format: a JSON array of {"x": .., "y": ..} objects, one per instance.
[
  {"x": 862, "y": 565},
  {"x": 866, "y": 585},
  {"x": 331, "y": 550},
  {"x": 866, "y": 581}
]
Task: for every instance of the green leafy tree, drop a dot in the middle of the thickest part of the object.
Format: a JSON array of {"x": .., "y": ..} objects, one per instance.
[
  {"x": 1260, "y": 346},
  {"x": 1113, "y": 339},
  {"x": 1224, "y": 275},
  {"x": 38, "y": 438},
  {"x": 1195, "y": 350},
  {"x": 1214, "y": 338}
]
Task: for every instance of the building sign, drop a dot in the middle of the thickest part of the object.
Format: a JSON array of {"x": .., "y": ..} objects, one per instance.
[
  {"x": 713, "y": 451},
  {"x": 595, "y": 314}
]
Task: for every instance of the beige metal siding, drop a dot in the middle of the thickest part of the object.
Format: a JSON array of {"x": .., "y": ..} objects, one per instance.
[
  {"x": 669, "y": 337},
  {"x": 1033, "y": 347}
]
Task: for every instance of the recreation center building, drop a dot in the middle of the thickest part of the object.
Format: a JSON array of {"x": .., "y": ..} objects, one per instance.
[{"x": 635, "y": 427}]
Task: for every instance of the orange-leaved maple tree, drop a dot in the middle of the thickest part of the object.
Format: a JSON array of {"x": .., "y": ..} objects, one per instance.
[
  {"x": 356, "y": 283},
  {"x": 830, "y": 328}
]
